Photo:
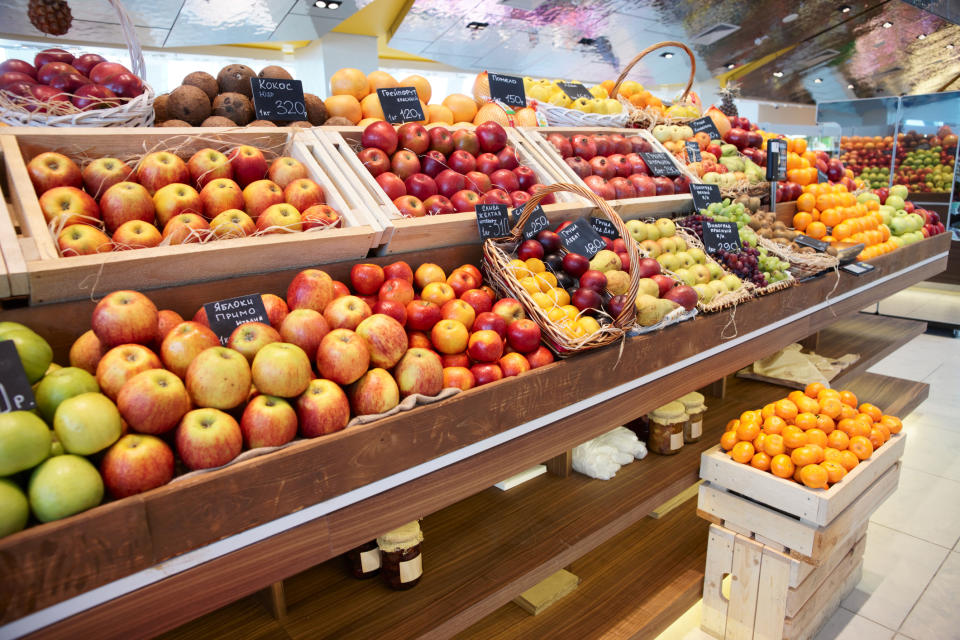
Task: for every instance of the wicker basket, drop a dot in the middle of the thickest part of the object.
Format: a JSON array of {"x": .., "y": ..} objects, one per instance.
[
  {"x": 646, "y": 118},
  {"x": 563, "y": 117},
  {"x": 723, "y": 301},
  {"x": 135, "y": 112},
  {"x": 498, "y": 253},
  {"x": 802, "y": 265}
]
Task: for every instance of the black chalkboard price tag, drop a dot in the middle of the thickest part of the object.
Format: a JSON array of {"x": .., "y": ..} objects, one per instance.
[
  {"x": 858, "y": 268},
  {"x": 776, "y": 159},
  {"x": 401, "y": 104},
  {"x": 507, "y": 89},
  {"x": 813, "y": 243},
  {"x": 226, "y": 315},
  {"x": 693, "y": 151},
  {"x": 580, "y": 237},
  {"x": 536, "y": 223},
  {"x": 278, "y": 99},
  {"x": 704, "y": 195},
  {"x": 15, "y": 391},
  {"x": 721, "y": 236},
  {"x": 660, "y": 164},
  {"x": 493, "y": 221},
  {"x": 575, "y": 90},
  {"x": 822, "y": 177},
  {"x": 604, "y": 227},
  {"x": 707, "y": 126}
]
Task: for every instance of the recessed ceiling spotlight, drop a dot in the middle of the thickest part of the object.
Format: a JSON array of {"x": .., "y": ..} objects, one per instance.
[
  {"x": 849, "y": 86},
  {"x": 666, "y": 54},
  {"x": 845, "y": 8},
  {"x": 922, "y": 36},
  {"x": 818, "y": 80},
  {"x": 477, "y": 26},
  {"x": 320, "y": 4},
  {"x": 333, "y": 5},
  {"x": 778, "y": 74},
  {"x": 731, "y": 65},
  {"x": 887, "y": 24}
]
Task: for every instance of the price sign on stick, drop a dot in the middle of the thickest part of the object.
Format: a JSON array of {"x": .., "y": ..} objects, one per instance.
[
  {"x": 400, "y": 104},
  {"x": 536, "y": 223},
  {"x": 581, "y": 238},
  {"x": 226, "y": 315},
  {"x": 15, "y": 391},
  {"x": 660, "y": 164},
  {"x": 693, "y": 151},
  {"x": 706, "y": 125},
  {"x": 507, "y": 89},
  {"x": 604, "y": 227},
  {"x": 704, "y": 195},
  {"x": 493, "y": 221},
  {"x": 575, "y": 90},
  {"x": 721, "y": 236},
  {"x": 807, "y": 241},
  {"x": 278, "y": 99}
]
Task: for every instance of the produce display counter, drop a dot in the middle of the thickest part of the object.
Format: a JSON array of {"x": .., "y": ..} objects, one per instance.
[{"x": 232, "y": 532}]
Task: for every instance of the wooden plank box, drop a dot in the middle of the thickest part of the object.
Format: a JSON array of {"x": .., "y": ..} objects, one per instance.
[
  {"x": 402, "y": 234},
  {"x": 54, "y": 278},
  {"x": 15, "y": 249},
  {"x": 627, "y": 208}
]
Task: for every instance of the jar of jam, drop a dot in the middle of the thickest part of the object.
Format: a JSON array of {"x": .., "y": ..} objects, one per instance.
[
  {"x": 364, "y": 560},
  {"x": 666, "y": 429},
  {"x": 400, "y": 561},
  {"x": 695, "y": 408}
]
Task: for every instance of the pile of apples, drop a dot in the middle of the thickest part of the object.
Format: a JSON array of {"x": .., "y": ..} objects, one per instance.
[
  {"x": 437, "y": 172},
  {"x": 147, "y": 392},
  {"x": 110, "y": 205},
  {"x": 611, "y": 166},
  {"x": 907, "y": 223},
  {"x": 58, "y": 79}
]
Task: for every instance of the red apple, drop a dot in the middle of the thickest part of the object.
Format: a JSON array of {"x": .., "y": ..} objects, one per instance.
[
  {"x": 648, "y": 267},
  {"x": 320, "y": 216},
  {"x": 125, "y": 85},
  {"x": 268, "y": 421},
  {"x": 542, "y": 356},
  {"x": 366, "y": 279},
  {"x": 47, "y": 72},
  {"x": 526, "y": 178},
  {"x": 530, "y": 249},
  {"x": 69, "y": 205},
  {"x": 12, "y": 65},
  {"x": 136, "y": 234},
  {"x": 505, "y": 179},
  {"x": 380, "y": 135},
  {"x": 404, "y": 163},
  {"x": 219, "y": 195},
  {"x": 120, "y": 364},
  {"x": 103, "y": 173},
  {"x": 392, "y": 308},
  {"x": 462, "y": 162},
  {"x": 346, "y": 312},
  {"x": 437, "y": 205},
  {"x": 421, "y": 186},
  {"x": 136, "y": 463},
  {"x": 487, "y": 163},
  {"x": 85, "y": 63},
  {"x": 523, "y": 335},
  {"x": 432, "y": 163},
  {"x": 519, "y": 198},
  {"x": 486, "y": 373},
  {"x": 410, "y": 207},
  {"x": 440, "y": 140},
  {"x": 310, "y": 289},
  {"x": 399, "y": 270},
  {"x": 422, "y": 315},
  {"x": 458, "y": 377},
  {"x": 161, "y": 168},
  {"x": 593, "y": 279},
  {"x": 185, "y": 342},
  {"x": 125, "y": 317},
  {"x": 465, "y": 140},
  {"x": 413, "y": 137},
  {"x": 419, "y": 371},
  {"x": 391, "y": 184},
  {"x": 343, "y": 356},
  {"x": 684, "y": 295},
  {"x": 153, "y": 401},
  {"x": 303, "y": 193},
  {"x": 186, "y": 228},
  {"x": 479, "y": 300},
  {"x": 284, "y": 170},
  {"x": 491, "y": 136},
  {"x": 575, "y": 264},
  {"x": 664, "y": 282},
  {"x": 450, "y": 182},
  {"x": 496, "y": 196},
  {"x": 50, "y": 169},
  {"x": 169, "y": 201},
  {"x": 94, "y": 96},
  {"x": 248, "y": 164},
  {"x": 465, "y": 200},
  {"x": 509, "y": 309},
  {"x": 103, "y": 71},
  {"x": 549, "y": 198},
  {"x": 375, "y": 160},
  {"x": 508, "y": 158},
  {"x": 323, "y": 408},
  {"x": 513, "y": 364}
]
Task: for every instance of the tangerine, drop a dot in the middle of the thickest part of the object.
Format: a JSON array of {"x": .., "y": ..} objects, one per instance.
[
  {"x": 816, "y": 436},
  {"x": 794, "y": 397},
  {"x": 831, "y": 455},
  {"x": 835, "y": 471},
  {"x": 782, "y": 466},
  {"x": 828, "y": 393},
  {"x": 751, "y": 416},
  {"x": 891, "y": 422},
  {"x": 818, "y": 450},
  {"x": 865, "y": 417},
  {"x": 831, "y": 407},
  {"x": 849, "y": 460},
  {"x": 816, "y": 229},
  {"x": 861, "y": 427},
  {"x": 876, "y": 438},
  {"x": 860, "y": 446},
  {"x": 732, "y": 425},
  {"x": 814, "y": 476},
  {"x": 767, "y": 411},
  {"x": 846, "y": 411},
  {"x": 728, "y": 440},
  {"x": 838, "y": 440},
  {"x": 760, "y": 461},
  {"x": 785, "y": 409},
  {"x": 846, "y": 426},
  {"x": 805, "y": 421},
  {"x": 814, "y": 388},
  {"x": 758, "y": 441},
  {"x": 793, "y": 437},
  {"x": 825, "y": 423},
  {"x": 774, "y": 424},
  {"x": 773, "y": 445},
  {"x": 804, "y": 455},
  {"x": 882, "y": 428},
  {"x": 748, "y": 431},
  {"x": 742, "y": 452},
  {"x": 802, "y": 220},
  {"x": 848, "y": 398},
  {"x": 806, "y": 203},
  {"x": 806, "y": 404}
]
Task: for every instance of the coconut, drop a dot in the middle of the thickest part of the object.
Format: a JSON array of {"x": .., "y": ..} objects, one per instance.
[
  {"x": 316, "y": 110},
  {"x": 261, "y": 123},
  {"x": 174, "y": 123},
  {"x": 300, "y": 123},
  {"x": 235, "y": 78},
  {"x": 188, "y": 103},
  {"x": 235, "y": 106},
  {"x": 338, "y": 121},
  {"x": 218, "y": 121},
  {"x": 275, "y": 72},
  {"x": 205, "y": 81},
  {"x": 160, "y": 108}
]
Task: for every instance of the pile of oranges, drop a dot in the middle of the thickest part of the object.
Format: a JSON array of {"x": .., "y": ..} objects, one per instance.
[
  {"x": 832, "y": 214},
  {"x": 814, "y": 437},
  {"x": 635, "y": 93}
]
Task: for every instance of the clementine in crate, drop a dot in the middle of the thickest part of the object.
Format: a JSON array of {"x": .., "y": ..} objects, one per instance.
[
  {"x": 773, "y": 445},
  {"x": 774, "y": 425},
  {"x": 743, "y": 452},
  {"x": 782, "y": 466},
  {"x": 860, "y": 446},
  {"x": 813, "y": 389},
  {"x": 892, "y": 423},
  {"x": 814, "y": 476}
]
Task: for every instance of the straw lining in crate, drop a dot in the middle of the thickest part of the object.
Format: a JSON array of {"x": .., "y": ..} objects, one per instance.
[
  {"x": 725, "y": 300},
  {"x": 645, "y": 117},
  {"x": 802, "y": 265},
  {"x": 498, "y": 253}
]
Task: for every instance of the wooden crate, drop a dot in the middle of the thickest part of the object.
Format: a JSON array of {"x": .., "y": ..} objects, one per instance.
[
  {"x": 412, "y": 234},
  {"x": 627, "y": 208},
  {"x": 53, "y": 278}
]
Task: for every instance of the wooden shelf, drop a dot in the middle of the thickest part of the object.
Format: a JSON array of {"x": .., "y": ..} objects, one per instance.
[{"x": 872, "y": 337}]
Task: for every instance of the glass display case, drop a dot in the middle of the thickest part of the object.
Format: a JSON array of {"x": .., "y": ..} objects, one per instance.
[{"x": 868, "y": 131}]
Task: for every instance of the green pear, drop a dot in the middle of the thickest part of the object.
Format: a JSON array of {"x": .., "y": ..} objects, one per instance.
[
  {"x": 24, "y": 441},
  {"x": 64, "y": 485},
  {"x": 14, "y": 508}
]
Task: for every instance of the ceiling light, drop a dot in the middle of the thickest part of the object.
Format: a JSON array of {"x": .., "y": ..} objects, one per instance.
[
  {"x": 666, "y": 55},
  {"x": 922, "y": 36},
  {"x": 778, "y": 74},
  {"x": 333, "y": 5},
  {"x": 477, "y": 26},
  {"x": 731, "y": 66},
  {"x": 845, "y": 8},
  {"x": 818, "y": 80},
  {"x": 887, "y": 24},
  {"x": 849, "y": 86},
  {"x": 320, "y": 4}
]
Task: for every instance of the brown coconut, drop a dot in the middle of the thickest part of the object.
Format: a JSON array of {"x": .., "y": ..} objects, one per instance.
[
  {"x": 275, "y": 72},
  {"x": 235, "y": 106},
  {"x": 160, "y": 108},
  {"x": 316, "y": 110},
  {"x": 205, "y": 81},
  {"x": 300, "y": 123},
  {"x": 188, "y": 103},
  {"x": 261, "y": 123},
  {"x": 218, "y": 121},
  {"x": 338, "y": 121},
  {"x": 235, "y": 78},
  {"x": 174, "y": 123}
]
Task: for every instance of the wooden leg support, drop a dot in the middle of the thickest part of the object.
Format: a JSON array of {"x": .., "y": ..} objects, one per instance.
[
  {"x": 811, "y": 342},
  {"x": 717, "y": 389},
  {"x": 277, "y": 601},
  {"x": 561, "y": 465}
]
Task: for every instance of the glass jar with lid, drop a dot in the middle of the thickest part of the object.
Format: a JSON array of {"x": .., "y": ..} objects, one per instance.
[
  {"x": 666, "y": 428},
  {"x": 401, "y": 563},
  {"x": 694, "y": 405},
  {"x": 364, "y": 560}
]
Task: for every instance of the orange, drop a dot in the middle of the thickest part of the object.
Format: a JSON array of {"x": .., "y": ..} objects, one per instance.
[
  {"x": 813, "y": 388},
  {"x": 806, "y": 404},
  {"x": 748, "y": 431},
  {"x": 773, "y": 445},
  {"x": 758, "y": 441},
  {"x": 345, "y": 106},
  {"x": 866, "y": 418},
  {"x": 818, "y": 451},
  {"x": 767, "y": 411},
  {"x": 804, "y": 455},
  {"x": 760, "y": 461},
  {"x": 884, "y": 431},
  {"x": 421, "y": 84},
  {"x": 793, "y": 437},
  {"x": 846, "y": 411},
  {"x": 794, "y": 397},
  {"x": 732, "y": 425},
  {"x": 828, "y": 393},
  {"x": 816, "y": 436},
  {"x": 802, "y": 220},
  {"x": 816, "y": 230},
  {"x": 439, "y": 113},
  {"x": 849, "y": 460},
  {"x": 871, "y": 410},
  {"x": 825, "y": 423},
  {"x": 860, "y": 446},
  {"x": 848, "y": 398},
  {"x": 861, "y": 427},
  {"x": 785, "y": 409},
  {"x": 743, "y": 452},
  {"x": 832, "y": 455},
  {"x": 806, "y": 202},
  {"x": 838, "y": 440},
  {"x": 846, "y": 426},
  {"x": 805, "y": 421},
  {"x": 830, "y": 218},
  {"x": 782, "y": 466},
  {"x": 349, "y": 82},
  {"x": 814, "y": 476},
  {"x": 774, "y": 424},
  {"x": 831, "y": 407},
  {"x": 835, "y": 471},
  {"x": 751, "y": 416},
  {"x": 381, "y": 80},
  {"x": 370, "y": 106},
  {"x": 876, "y": 438},
  {"x": 463, "y": 107},
  {"x": 891, "y": 422}
]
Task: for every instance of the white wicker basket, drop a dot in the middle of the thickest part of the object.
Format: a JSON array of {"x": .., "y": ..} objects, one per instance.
[
  {"x": 137, "y": 112},
  {"x": 563, "y": 117}
]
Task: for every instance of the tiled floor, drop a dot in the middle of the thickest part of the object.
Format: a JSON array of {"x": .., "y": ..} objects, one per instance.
[{"x": 911, "y": 571}]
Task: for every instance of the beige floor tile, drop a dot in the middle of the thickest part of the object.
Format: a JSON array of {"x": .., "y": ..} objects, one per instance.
[
  {"x": 931, "y": 448},
  {"x": 924, "y": 506},
  {"x": 935, "y": 614},
  {"x": 845, "y": 625},
  {"x": 896, "y": 569}
]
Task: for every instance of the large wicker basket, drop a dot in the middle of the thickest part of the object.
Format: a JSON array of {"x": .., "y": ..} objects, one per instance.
[
  {"x": 498, "y": 253},
  {"x": 646, "y": 118},
  {"x": 135, "y": 112}
]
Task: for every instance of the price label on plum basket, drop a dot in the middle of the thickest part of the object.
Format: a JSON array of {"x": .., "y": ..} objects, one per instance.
[
  {"x": 776, "y": 159},
  {"x": 660, "y": 163},
  {"x": 581, "y": 238},
  {"x": 226, "y": 315},
  {"x": 15, "y": 391},
  {"x": 278, "y": 99},
  {"x": 400, "y": 105},
  {"x": 707, "y": 126},
  {"x": 858, "y": 268},
  {"x": 507, "y": 89},
  {"x": 575, "y": 90},
  {"x": 604, "y": 227},
  {"x": 721, "y": 236},
  {"x": 493, "y": 221},
  {"x": 813, "y": 243},
  {"x": 693, "y": 151},
  {"x": 536, "y": 223},
  {"x": 704, "y": 195}
]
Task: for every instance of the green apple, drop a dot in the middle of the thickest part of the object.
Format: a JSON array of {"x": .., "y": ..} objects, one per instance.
[
  {"x": 87, "y": 423},
  {"x": 732, "y": 282},
  {"x": 895, "y": 201},
  {"x": 704, "y": 293},
  {"x": 62, "y": 384},
  {"x": 14, "y": 508},
  {"x": 35, "y": 354},
  {"x": 637, "y": 229},
  {"x": 63, "y": 486},
  {"x": 24, "y": 441},
  {"x": 899, "y": 190},
  {"x": 887, "y": 213},
  {"x": 12, "y": 326},
  {"x": 698, "y": 255},
  {"x": 867, "y": 196}
]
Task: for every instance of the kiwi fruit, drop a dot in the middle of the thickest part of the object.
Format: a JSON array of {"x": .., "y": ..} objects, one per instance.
[
  {"x": 160, "y": 108},
  {"x": 261, "y": 123},
  {"x": 218, "y": 121},
  {"x": 174, "y": 123},
  {"x": 204, "y": 81},
  {"x": 235, "y": 78},
  {"x": 188, "y": 103},
  {"x": 235, "y": 106},
  {"x": 338, "y": 121},
  {"x": 275, "y": 72},
  {"x": 316, "y": 110}
]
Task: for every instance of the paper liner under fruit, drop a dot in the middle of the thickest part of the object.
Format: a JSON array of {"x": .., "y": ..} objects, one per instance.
[
  {"x": 676, "y": 316},
  {"x": 802, "y": 265}
]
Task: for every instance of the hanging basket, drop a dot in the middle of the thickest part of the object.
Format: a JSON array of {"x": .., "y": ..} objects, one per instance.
[
  {"x": 132, "y": 112},
  {"x": 647, "y": 117},
  {"x": 563, "y": 117}
]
